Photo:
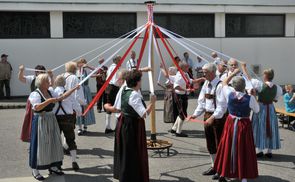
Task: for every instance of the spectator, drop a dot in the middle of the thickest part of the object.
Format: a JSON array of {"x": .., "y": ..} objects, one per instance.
[
  {"x": 5, "y": 75},
  {"x": 289, "y": 101}
]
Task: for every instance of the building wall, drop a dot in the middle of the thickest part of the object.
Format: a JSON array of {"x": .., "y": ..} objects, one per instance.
[{"x": 276, "y": 53}]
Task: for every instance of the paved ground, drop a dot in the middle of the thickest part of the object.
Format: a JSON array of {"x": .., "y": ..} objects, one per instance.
[{"x": 188, "y": 156}]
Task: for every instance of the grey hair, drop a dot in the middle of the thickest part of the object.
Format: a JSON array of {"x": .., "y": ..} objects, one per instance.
[
  {"x": 232, "y": 60},
  {"x": 238, "y": 83},
  {"x": 183, "y": 65},
  {"x": 210, "y": 67},
  {"x": 60, "y": 81},
  {"x": 71, "y": 67},
  {"x": 172, "y": 69},
  {"x": 40, "y": 79}
]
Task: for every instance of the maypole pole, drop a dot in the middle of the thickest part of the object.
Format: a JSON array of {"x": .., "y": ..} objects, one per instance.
[{"x": 153, "y": 143}]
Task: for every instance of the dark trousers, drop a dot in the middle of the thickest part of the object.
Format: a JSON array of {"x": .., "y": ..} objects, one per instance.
[
  {"x": 181, "y": 104},
  {"x": 66, "y": 125},
  {"x": 5, "y": 83},
  {"x": 111, "y": 93},
  {"x": 102, "y": 99},
  {"x": 213, "y": 132}
]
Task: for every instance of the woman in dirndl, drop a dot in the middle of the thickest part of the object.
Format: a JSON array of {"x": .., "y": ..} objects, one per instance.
[
  {"x": 89, "y": 118},
  {"x": 46, "y": 151},
  {"x": 265, "y": 123},
  {"x": 236, "y": 157},
  {"x": 29, "y": 80},
  {"x": 131, "y": 159}
]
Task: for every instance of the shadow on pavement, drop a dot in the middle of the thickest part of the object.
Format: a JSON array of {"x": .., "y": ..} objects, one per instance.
[{"x": 101, "y": 153}]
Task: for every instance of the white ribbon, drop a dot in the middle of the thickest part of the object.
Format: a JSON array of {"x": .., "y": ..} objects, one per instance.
[
  {"x": 107, "y": 43},
  {"x": 208, "y": 48},
  {"x": 109, "y": 58}
]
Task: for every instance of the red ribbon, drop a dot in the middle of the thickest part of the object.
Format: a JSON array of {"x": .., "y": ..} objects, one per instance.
[
  {"x": 146, "y": 36},
  {"x": 196, "y": 121},
  {"x": 171, "y": 55},
  {"x": 100, "y": 92}
]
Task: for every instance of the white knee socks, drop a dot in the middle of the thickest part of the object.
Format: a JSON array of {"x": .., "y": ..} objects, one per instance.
[
  {"x": 35, "y": 172},
  {"x": 108, "y": 121},
  {"x": 178, "y": 125},
  {"x": 73, "y": 155},
  {"x": 212, "y": 156}
]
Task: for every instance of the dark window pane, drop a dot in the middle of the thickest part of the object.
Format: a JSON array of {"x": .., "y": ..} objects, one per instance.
[
  {"x": 24, "y": 25},
  {"x": 97, "y": 25},
  {"x": 187, "y": 25},
  {"x": 242, "y": 25}
]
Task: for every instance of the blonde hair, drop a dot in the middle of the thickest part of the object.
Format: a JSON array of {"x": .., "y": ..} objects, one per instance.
[
  {"x": 269, "y": 74},
  {"x": 71, "y": 67},
  {"x": 60, "y": 81},
  {"x": 40, "y": 79},
  {"x": 82, "y": 60}
]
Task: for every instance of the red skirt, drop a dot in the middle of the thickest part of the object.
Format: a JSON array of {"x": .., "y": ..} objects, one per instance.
[
  {"x": 26, "y": 129},
  {"x": 245, "y": 155}
]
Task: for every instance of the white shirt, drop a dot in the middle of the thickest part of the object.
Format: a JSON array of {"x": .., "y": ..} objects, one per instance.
[
  {"x": 199, "y": 65},
  {"x": 171, "y": 79},
  {"x": 78, "y": 95},
  {"x": 253, "y": 104},
  {"x": 135, "y": 101},
  {"x": 131, "y": 63},
  {"x": 257, "y": 84},
  {"x": 67, "y": 103},
  {"x": 114, "y": 80},
  {"x": 29, "y": 79},
  {"x": 207, "y": 105},
  {"x": 35, "y": 97},
  {"x": 179, "y": 81}
]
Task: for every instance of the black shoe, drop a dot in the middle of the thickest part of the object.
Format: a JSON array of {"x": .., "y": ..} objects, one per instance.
[
  {"x": 215, "y": 176},
  {"x": 259, "y": 155},
  {"x": 75, "y": 166},
  {"x": 58, "y": 172},
  {"x": 268, "y": 155},
  {"x": 181, "y": 135},
  {"x": 172, "y": 131},
  {"x": 222, "y": 179},
  {"x": 66, "y": 151},
  {"x": 209, "y": 172},
  {"x": 38, "y": 177},
  {"x": 107, "y": 131},
  {"x": 80, "y": 132}
]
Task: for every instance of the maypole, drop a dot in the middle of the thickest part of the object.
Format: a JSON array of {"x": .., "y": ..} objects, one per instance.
[{"x": 153, "y": 143}]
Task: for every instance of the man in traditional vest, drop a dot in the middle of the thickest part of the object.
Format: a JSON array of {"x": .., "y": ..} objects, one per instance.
[{"x": 212, "y": 102}]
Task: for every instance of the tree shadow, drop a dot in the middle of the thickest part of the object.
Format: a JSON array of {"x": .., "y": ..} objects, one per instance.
[
  {"x": 177, "y": 179},
  {"x": 279, "y": 158},
  {"x": 194, "y": 133},
  {"x": 96, "y": 152},
  {"x": 99, "y": 134},
  {"x": 80, "y": 177}
]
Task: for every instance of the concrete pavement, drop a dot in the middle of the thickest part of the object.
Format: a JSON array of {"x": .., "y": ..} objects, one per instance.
[{"x": 188, "y": 156}]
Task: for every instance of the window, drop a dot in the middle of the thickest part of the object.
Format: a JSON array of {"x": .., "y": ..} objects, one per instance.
[
  {"x": 255, "y": 25},
  {"x": 187, "y": 25},
  {"x": 24, "y": 25},
  {"x": 97, "y": 25}
]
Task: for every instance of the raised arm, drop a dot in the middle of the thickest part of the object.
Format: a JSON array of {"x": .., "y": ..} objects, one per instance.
[
  {"x": 228, "y": 79},
  {"x": 68, "y": 93},
  {"x": 21, "y": 75},
  {"x": 245, "y": 70}
]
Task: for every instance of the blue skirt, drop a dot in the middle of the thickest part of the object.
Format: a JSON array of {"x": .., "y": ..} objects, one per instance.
[
  {"x": 89, "y": 118},
  {"x": 261, "y": 140}
]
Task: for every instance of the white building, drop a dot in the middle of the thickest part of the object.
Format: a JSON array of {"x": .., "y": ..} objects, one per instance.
[{"x": 51, "y": 32}]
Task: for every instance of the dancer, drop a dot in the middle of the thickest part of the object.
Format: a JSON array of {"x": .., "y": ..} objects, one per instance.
[
  {"x": 89, "y": 118},
  {"x": 29, "y": 80},
  {"x": 66, "y": 118},
  {"x": 211, "y": 101},
  {"x": 181, "y": 98},
  {"x": 45, "y": 146},
  {"x": 100, "y": 80},
  {"x": 71, "y": 81},
  {"x": 131, "y": 162},
  {"x": 236, "y": 157},
  {"x": 265, "y": 123}
]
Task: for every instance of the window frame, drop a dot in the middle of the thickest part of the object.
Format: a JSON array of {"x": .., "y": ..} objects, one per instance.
[{"x": 255, "y": 35}]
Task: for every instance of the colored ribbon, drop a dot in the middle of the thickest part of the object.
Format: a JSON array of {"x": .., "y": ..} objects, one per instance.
[
  {"x": 100, "y": 92},
  {"x": 171, "y": 55},
  {"x": 146, "y": 35}
]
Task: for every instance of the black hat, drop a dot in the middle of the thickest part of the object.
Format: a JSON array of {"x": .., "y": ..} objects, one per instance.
[{"x": 4, "y": 55}]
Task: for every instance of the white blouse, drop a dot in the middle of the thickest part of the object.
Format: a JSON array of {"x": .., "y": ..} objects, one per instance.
[
  {"x": 35, "y": 97},
  {"x": 67, "y": 103}
]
